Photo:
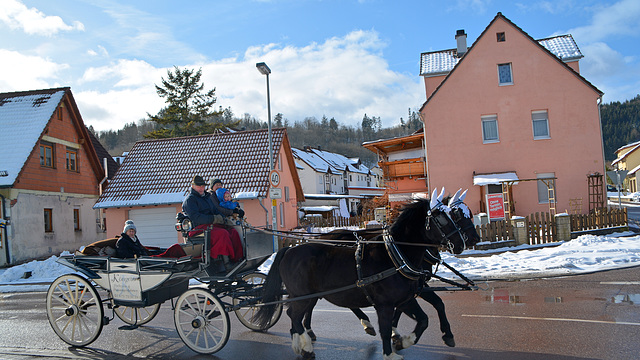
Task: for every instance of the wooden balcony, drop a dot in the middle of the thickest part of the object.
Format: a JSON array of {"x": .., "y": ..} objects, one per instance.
[{"x": 403, "y": 168}]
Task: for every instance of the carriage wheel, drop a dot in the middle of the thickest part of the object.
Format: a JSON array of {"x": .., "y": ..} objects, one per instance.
[
  {"x": 201, "y": 321},
  {"x": 136, "y": 315},
  {"x": 245, "y": 314},
  {"x": 74, "y": 310}
]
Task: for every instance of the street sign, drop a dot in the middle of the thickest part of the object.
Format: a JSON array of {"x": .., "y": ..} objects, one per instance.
[
  {"x": 274, "y": 178},
  {"x": 617, "y": 176},
  {"x": 275, "y": 193}
]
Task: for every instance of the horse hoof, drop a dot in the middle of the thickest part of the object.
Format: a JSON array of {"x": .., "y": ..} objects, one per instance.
[
  {"x": 396, "y": 341},
  {"x": 392, "y": 356},
  {"x": 308, "y": 355},
  {"x": 449, "y": 340},
  {"x": 371, "y": 331}
]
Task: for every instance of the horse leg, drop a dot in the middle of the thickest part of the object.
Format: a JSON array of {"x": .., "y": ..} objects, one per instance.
[
  {"x": 364, "y": 320},
  {"x": 300, "y": 340},
  {"x": 385, "y": 318},
  {"x": 395, "y": 335},
  {"x": 307, "y": 320},
  {"x": 413, "y": 309},
  {"x": 432, "y": 298}
]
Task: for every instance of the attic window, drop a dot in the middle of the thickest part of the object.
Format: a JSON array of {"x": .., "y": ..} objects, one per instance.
[{"x": 500, "y": 36}]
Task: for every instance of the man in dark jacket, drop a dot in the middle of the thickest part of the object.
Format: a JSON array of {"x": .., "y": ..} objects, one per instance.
[
  {"x": 128, "y": 246},
  {"x": 202, "y": 212}
]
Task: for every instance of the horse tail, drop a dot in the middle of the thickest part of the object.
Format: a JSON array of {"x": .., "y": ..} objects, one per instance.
[{"x": 271, "y": 291}]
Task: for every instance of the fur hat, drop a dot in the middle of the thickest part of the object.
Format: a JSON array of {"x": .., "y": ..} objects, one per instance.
[
  {"x": 128, "y": 225},
  {"x": 198, "y": 180}
]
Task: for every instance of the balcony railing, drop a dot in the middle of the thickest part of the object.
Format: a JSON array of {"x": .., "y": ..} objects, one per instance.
[{"x": 405, "y": 167}]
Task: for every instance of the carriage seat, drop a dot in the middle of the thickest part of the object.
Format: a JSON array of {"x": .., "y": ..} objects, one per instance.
[{"x": 106, "y": 247}]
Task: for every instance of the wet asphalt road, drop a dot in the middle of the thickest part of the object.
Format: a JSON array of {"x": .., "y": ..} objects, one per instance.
[{"x": 594, "y": 316}]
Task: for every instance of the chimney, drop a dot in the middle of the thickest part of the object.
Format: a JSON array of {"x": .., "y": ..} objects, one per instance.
[{"x": 461, "y": 39}]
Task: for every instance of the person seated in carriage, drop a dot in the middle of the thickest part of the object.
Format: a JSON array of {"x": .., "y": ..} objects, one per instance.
[
  {"x": 128, "y": 245},
  {"x": 224, "y": 205},
  {"x": 199, "y": 207}
]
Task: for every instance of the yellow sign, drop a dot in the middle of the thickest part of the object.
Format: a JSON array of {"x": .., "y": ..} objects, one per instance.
[{"x": 273, "y": 202}]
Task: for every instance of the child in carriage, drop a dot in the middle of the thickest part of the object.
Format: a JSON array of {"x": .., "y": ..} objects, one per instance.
[{"x": 226, "y": 201}]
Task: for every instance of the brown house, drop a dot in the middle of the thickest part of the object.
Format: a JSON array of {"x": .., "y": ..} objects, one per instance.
[{"x": 49, "y": 176}]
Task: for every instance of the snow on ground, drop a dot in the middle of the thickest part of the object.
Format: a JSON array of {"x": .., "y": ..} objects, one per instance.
[{"x": 587, "y": 253}]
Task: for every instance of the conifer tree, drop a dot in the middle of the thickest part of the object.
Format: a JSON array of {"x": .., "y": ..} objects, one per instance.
[{"x": 189, "y": 111}]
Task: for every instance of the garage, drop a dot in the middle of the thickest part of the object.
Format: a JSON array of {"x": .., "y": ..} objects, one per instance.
[{"x": 155, "y": 226}]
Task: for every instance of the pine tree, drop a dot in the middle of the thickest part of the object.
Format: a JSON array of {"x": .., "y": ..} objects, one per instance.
[{"x": 189, "y": 110}]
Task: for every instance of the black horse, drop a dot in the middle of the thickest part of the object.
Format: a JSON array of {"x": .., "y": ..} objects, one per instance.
[
  {"x": 314, "y": 270},
  {"x": 461, "y": 215}
]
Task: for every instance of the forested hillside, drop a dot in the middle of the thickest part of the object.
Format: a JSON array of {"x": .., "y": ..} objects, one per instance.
[
  {"x": 620, "y": 125},
  {"x": 328, "y": 134}
]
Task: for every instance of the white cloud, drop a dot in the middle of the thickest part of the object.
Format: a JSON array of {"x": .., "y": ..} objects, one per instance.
[
  {"x": 344, "y": 77},
  {"x": 20, "y": 72},
  {"x": 32, "y": 21},
  {"x": 619, "y": 19}
]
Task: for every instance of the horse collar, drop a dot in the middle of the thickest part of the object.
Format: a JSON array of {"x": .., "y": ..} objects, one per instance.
[{"x": 398, "y": 259}]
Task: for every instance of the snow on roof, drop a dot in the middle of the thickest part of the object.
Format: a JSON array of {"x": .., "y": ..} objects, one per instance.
[
  {"x": 315, "y": 161},
  {"x": 442, "y": 62},
  {"x": 160, "y": 171},
  {"x": 23, "y": 117},
  {"x": 318, "y": 208},
  {"x": 341, "y": 162},
  {"x": 494, "y": 179}
]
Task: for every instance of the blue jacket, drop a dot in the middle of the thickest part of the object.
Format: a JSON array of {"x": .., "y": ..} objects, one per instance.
[
  {"x": 225, "y": 204},
  {"x": 199, "y": 208}
]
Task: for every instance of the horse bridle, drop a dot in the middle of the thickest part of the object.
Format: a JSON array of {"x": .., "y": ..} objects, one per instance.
[{"x": 445, "y": 238}]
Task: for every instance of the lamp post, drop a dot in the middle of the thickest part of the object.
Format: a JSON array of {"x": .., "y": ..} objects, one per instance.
[{"x": 264, "y": 70}]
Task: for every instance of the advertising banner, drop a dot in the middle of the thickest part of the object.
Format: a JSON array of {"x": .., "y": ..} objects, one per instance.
[{"x": 495, "y": 206}]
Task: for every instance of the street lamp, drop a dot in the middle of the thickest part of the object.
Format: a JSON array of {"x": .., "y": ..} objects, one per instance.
[{"x": 264, "y": 70}]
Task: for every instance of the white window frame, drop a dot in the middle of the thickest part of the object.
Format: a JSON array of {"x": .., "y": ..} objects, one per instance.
[
  {"x": 540, "y": 116},
  {"x": 488, "y": 119},
  {"x": 500, "y": 83}
]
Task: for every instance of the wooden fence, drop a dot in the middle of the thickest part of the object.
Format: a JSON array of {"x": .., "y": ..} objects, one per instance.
[
  {"x": 599, "y": 219},
  {"x": 336, "y": 221},
  {"x": 541, "y": 227}
]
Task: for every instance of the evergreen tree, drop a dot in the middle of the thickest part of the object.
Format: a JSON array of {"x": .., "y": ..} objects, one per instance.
[{"x": 189, "y": 109}]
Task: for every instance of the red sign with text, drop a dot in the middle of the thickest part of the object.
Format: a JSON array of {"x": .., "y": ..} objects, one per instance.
[{"x": 495, "y": 206}]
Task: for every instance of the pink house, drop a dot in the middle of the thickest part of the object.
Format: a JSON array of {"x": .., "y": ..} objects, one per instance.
[{"x": 508, "y": 111}]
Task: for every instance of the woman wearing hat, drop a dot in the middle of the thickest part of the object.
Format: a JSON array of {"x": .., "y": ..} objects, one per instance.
[{"x": 128, "y": 245}]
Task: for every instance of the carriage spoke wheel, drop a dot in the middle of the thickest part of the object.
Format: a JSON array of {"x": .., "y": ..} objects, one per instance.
[
  {"x": 245, "y": 314},
  {"x": 201, "y": 321},
  {"x": 136, "y": 315},
  {"x": 74, "y": 310}
]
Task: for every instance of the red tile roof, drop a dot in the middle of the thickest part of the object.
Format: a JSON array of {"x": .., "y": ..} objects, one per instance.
[{"x": 160, "y": 171}]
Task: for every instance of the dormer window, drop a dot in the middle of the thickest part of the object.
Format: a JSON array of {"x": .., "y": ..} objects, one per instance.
[{"x": 500, "y": 37}]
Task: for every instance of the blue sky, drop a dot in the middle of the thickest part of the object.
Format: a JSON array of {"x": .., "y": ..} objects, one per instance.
[{"x": 338, "y": 58}]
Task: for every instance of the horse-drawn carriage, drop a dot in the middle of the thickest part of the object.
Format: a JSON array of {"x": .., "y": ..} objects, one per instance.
[
  {"x": 388, "y": 274},
  {"x": 134, "y": 289}
]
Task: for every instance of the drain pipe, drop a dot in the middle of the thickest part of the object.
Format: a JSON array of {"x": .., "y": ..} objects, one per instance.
[
  {"x": 5, "y": 222},
  {"x": 266, "y": 215}
]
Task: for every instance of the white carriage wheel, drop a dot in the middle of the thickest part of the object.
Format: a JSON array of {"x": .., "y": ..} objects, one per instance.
[
  {"x": 136, "y": 315},
  {"x": 74, "y": 310},
  {"x": 201, "y": 321},
  {"x": 245, "y": 314}
]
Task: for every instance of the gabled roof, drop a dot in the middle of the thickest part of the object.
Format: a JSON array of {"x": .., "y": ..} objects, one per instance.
[
  {"x": 160, "y": 171},
  {"x": 112, "y": 165},
  {"x": 24, "y": 116},
  {"x": 328, "y": 162},
  {"x": 561, "y": 48},
  {"x": 633, "y": 147}
]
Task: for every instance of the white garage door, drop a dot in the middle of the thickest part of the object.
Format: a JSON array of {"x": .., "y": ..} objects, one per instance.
[{"x": 155, "y": 226}]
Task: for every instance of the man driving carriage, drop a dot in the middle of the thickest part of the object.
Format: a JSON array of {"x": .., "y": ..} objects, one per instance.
[{"x": 225, "y": 241}]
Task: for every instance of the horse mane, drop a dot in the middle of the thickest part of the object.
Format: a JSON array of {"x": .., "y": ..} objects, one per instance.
[{"x": 409, "y": 212}]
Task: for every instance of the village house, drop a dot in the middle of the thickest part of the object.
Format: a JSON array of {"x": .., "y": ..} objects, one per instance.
[
  {"x": 50, "y": 176},
  {"x": 511, "y": 119},
  {"x": 156, "y": 176},
  {"x": 402, "y": 162},
  {"x": 628, "y": 158},
  {"x": 333, "y": 183}
]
